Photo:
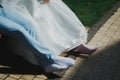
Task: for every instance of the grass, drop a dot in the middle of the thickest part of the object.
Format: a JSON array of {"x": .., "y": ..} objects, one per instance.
[{"x": 90, "y": 11}]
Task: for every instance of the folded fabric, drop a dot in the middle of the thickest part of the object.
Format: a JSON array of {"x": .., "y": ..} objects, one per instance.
[{"x": 45, "y": 31}]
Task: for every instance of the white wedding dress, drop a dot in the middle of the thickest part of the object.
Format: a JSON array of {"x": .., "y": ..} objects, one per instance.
[{"x": 57, "y": 27}]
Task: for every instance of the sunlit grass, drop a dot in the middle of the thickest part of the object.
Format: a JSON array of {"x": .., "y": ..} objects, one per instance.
[{"x": 90, "y": 11}]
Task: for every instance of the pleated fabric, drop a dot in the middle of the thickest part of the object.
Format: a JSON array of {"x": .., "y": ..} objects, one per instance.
[{"x": 56, "y": 26}]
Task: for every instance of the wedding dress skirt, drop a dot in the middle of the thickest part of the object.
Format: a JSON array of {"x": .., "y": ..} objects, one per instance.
[{"x": 46, "y": 30}]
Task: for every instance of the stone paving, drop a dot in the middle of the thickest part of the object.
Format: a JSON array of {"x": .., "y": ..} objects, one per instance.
[{"x": 104, "y": 64}]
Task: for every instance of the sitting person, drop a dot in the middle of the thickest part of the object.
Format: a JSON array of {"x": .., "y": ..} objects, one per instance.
[{"x": 44, "y": 29}]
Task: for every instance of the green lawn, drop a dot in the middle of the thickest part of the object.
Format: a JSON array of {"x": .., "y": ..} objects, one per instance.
[{"x": 90, "y": 11}]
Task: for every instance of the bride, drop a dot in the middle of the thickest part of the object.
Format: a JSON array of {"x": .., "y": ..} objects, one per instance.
[{"x": 42, "y": 30}]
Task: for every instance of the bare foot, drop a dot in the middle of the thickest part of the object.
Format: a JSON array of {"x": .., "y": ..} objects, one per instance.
[{"x": 86, "y": 49}]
